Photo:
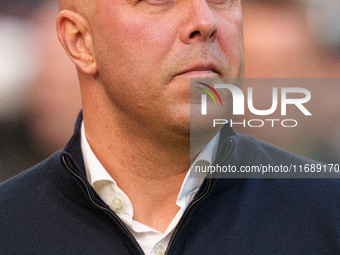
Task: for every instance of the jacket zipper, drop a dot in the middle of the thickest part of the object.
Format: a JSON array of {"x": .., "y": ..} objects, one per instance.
[
  {"x": 196, "y": 201},
  {"x": 122, "y": 224},
  {"x": 103, "y": 208}
]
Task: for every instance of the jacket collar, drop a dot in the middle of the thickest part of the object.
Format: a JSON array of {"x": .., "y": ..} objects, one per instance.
[{"x": 73, "y": 147}]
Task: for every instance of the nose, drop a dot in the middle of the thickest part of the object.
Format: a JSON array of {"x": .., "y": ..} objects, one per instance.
[{"x": 200, "y": 24}]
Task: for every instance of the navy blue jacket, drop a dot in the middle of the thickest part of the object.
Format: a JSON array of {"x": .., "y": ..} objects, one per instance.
[{"x": 52, "y": 209}]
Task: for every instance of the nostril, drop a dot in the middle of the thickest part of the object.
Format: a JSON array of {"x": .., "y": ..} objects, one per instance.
[{"x": 195, "y": 33}]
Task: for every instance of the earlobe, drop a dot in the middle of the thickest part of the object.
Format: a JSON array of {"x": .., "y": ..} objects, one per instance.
[{"x": 76, "y": 38}]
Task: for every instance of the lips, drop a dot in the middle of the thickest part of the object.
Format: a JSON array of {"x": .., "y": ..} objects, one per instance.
[{"x": 200, "y": 70}]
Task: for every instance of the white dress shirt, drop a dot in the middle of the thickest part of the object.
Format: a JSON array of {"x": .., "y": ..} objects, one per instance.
[{"x": 151, "y": 241}]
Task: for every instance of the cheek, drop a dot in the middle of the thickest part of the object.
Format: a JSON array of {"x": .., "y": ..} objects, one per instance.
[
  {"x": 135, "y": 46},
  {"x": 131, "y": 55},
  {"x": 139, "y": 37},
  {"x": 230, "y": 37}
]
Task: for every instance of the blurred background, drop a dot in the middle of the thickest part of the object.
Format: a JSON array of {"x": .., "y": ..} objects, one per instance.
[
  {"x": 39, "y": 92},
  {"x": 40, "y": 97},
  {"x": 296, "y": 39}
]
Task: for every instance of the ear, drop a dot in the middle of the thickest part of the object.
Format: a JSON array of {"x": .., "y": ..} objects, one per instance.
[{"x": 75, "y": 36}]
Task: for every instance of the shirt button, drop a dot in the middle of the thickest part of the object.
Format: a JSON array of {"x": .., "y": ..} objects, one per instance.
[
  {"x": 117, "y": 203},
  {"x": 159, "y": 250}
]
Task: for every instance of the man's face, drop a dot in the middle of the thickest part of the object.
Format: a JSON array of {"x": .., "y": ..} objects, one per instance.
[{"x": 147, "y": 51}]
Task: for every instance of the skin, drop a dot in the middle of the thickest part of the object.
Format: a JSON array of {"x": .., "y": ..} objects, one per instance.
[{"x": 134, "y": 61}]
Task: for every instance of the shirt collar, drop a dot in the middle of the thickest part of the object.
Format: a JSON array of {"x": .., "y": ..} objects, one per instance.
[
  {"x": 95, "y": 171},
  {"x": 192, "y": 182}
]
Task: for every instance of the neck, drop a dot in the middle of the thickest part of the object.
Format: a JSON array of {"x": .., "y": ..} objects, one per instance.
[
  {"x": 143, "y": 155},
  {"x": 148, "y": 169},
  {"x": 148, "y": 163},
  {"x": 149, "y": 173}
]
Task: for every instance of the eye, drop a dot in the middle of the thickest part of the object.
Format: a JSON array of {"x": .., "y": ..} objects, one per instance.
[
  {"x": 158, "y": 2},
  {"x": 227, "y": 3}
]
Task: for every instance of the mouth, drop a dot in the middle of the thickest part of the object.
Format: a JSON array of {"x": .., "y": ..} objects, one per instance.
[{"x": 200, "y": 71}]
